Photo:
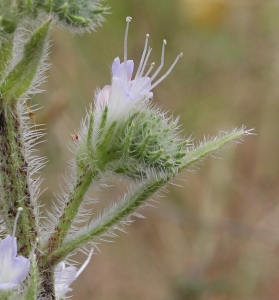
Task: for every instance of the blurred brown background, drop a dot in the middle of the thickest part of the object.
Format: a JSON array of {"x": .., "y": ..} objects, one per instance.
[{"x": 217, "y": 236}]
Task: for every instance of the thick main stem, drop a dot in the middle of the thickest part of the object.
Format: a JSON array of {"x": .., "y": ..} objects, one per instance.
[{"x": 15, "y": 183}]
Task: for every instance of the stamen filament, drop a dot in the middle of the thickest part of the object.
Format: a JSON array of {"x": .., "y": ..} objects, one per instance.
[
  {"x": 19, "y": 210},
  {"x": 162, "y": 61},
  {"x": 128, "y": 20},
  {"x": 168, "y": 71},
  {"x": 145, "y": 62},
  {"x": 137, "y": 82},
  {"x": 149, "y": 70},
  {"x": 142, "y": 57},
  {"x": 85, "y": 263}
]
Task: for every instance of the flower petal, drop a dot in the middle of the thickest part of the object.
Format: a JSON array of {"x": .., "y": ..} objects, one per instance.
[
  {"x": 7, "y": 286},
  {"x": 115, "y": 67},
  {"x": 20, "y": 267},
  {"x": 63, "y": 280},
  {"x": 8, "y": 247},
  {"x": 13, "y": 270},
  {"x": 103, "y": 96},
  {"x": 125, "y": 72}
]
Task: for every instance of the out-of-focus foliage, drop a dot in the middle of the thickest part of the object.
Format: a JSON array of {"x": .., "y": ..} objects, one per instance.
[
  {"x": 77, "y": 15},
  {"x": 217, "y": 236}
]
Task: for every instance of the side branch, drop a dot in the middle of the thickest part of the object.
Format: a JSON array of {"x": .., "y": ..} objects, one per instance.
[
  {"x": 115, "y": 215},
  {"x": 70, "y": 209},
  {"x": 122, "y": 210}
]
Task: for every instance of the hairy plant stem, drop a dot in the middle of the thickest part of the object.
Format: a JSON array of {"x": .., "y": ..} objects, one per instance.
[
  {"x": 143, "y": 191},
  {"x": 126, "y": 208},
  {"x": 65, "y": 221},
  {"x": 15, "y": 185},
  {"x": 75, "y": 199}
]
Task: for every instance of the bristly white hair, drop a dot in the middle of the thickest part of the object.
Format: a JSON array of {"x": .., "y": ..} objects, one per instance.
[{"x": 125, "y": 201}]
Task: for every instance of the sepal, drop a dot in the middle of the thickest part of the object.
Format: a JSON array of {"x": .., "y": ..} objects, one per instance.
[
  {"x": 212, "y": 145},
  {"x": 146, "y": 139}
]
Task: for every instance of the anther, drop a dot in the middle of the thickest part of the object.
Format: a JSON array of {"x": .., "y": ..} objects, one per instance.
[{"x": 150, "y": 69}]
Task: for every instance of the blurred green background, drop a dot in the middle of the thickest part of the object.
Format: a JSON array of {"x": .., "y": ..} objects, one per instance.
[{"x": 216, "y": 235}]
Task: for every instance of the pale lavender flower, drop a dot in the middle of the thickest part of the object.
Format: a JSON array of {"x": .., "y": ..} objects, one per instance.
[
  {"x": 65, "y": 276},
  {"x": 124, "y": 92},
  {"x": 13, "y": 269}
]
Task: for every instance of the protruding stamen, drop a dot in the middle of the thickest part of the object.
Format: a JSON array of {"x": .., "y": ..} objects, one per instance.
[
  {"x": 145, "y": 62},
  {"x": 162, "y": 61},
  {"x": 19, "y": 210},
  {"x": 142, "y": 57},
  {"x": 33, "y": 249},
  {"x": 150, "y": 69},
  {"x": 85, "y": 263},
  {"x": 128, "y": 20},
  {"x": 168, "y": 71}
]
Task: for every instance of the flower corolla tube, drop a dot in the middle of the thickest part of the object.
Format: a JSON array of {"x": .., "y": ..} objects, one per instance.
[
  {"x": 125, "y": 92},
  {"x": 65, "y": 276}
]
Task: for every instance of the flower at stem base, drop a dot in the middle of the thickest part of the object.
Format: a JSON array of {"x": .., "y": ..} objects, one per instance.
[
  {"x": 65, "y": 276},
  {"x": 13, "y": 269}
]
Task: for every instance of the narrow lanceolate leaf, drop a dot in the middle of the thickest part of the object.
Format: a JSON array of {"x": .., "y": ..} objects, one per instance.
[
  {"x": 20, "y": 79},
  {"x": 110, "y": 217},
  {"x": 212, "y": 145},
  {"x": 123, "y": 209}
]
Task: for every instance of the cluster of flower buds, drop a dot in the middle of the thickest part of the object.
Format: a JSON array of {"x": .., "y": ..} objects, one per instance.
[{"x": 79, "y": 15}]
